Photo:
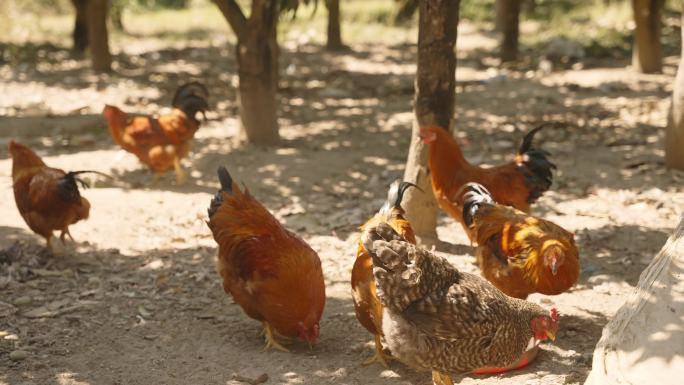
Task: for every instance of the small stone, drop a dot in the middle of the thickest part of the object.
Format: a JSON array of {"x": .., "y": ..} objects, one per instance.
[
  {"x": 22, "y": 301},
  {"x": 144, "y": 313},
  {"x": 18, "y": 355}
]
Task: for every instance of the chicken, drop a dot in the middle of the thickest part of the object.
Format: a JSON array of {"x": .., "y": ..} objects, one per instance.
[
  {"x": 367, "y": 306},
  {"x": 47, "y": 198},
  {"x": 161, "y": 142},
  {"x": 439, "y": 319},
  {"x": 518, "y": 253},
  {"x": 274, "y": 275},
  {"x": 517, "y": 183}
]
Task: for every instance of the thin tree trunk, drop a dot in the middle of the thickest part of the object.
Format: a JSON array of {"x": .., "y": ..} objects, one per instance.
[
  {"x": 674, "y": 133},
  {"x": 117, "y": 16},
  {"x": 97, "y": 35},
  {"x": 644, "y": 342},
  {"x": 80, "y": 34},
  {"x": 257, "y": 56},
  {"x": 434, "y": 106},
  {"x": 647, "y": 51},
  {"x": 508, "y": 14},
  {"x": 334, "y": 32}
]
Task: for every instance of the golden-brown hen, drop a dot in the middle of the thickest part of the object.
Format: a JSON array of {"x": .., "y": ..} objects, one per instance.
[
  {"x": 439, "y": 319},
  {"x": 47, "y": 198},
  {"x": 273, "y": 274},
  {"x": 517, "y": 183},
  {"x": 368, "y": 307},
  {"x": 518, "y": 253},
  {"x": 161, "y": 142}
]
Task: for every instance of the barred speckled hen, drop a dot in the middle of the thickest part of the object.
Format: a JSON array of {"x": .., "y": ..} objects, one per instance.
[{"x": 439, "y": 319}]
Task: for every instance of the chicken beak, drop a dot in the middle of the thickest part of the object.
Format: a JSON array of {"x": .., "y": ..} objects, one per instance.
[
  {"x": 551, "y": 335},
  {"x": 554, "y": 266}
]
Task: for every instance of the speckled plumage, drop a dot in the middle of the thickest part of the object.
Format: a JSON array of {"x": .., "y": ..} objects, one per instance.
[{"x": 437, "y": 318}]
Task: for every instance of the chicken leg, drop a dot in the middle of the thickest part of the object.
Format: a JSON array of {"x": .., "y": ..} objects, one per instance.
[
  {"x": 379, "y": 355},
  {"x": 439, "y": 378},
  {"x": 181, "y": 176},
  {"x": 271, "y": 341}
]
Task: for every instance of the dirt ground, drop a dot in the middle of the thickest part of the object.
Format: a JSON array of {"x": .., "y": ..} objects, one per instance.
[{"x": 137, "y": 299}]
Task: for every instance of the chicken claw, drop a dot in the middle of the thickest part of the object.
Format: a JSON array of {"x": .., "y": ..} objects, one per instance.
[
  {"x": 62, "y": 236},
  {"x": 271, "y": 341},
  {"x": 441, "y": 378},
  {"x": 379, "y": 356}
]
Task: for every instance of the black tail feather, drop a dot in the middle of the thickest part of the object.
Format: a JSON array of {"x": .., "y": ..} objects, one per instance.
[
  {"x": 475, "y": 195},
  {"x": 526, "y": 144},
  {"x": 67, "y": 186},
  {"x": 191, "y": 98},
  {"x": 395, "y": 195},
  {"x": 535, "y": 166},
  {"x": 226, "y": 186}
]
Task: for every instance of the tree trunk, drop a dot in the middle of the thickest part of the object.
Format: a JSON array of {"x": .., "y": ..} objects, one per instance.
[
  {"x": 644, "y": 342},
  {"x": 116, "y": 13},
  {"x": 334, "y": 33},
  {"x": 97, "y": 34},
  {"x": 434, "y": 106},
  {"x": 257, "y": 58},
  {"x": 80, "y": 34},
  {"x": 674, "y": 133},
  {"x": 257, "y": 53},
  {"x": 647, "y": 51},
  {"x": 508, "y": 14}
]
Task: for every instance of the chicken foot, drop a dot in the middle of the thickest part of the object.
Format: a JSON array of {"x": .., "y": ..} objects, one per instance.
[
  {"x": 271, "y": 341},
  {"x": 66, "y": 232},
  {"x": 439, "y": 378},
  {"x": 379, "y": 355}
]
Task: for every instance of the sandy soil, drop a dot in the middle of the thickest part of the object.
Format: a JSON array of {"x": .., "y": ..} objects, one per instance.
[{"x": 137, "y": 300}]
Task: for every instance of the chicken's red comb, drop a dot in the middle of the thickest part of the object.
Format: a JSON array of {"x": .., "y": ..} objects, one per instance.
[{"x": 554, "y": 314}]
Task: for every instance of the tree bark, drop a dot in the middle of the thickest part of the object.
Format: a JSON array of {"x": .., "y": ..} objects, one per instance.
[
  {"x": 674, "y": 132},
  {"x": 647, "y": 51},
  {"x": 434, "y": 106},
  {"x": 80, "y": 34},
  {"x": 644, "y": 342},
  {"x": 97, "y": 35},
  {"x": 508, "y": 14},
  {"x": 334, "y": 32},
  {"x": 257, "y": 58},
  {"x": 258, "y": 74}
]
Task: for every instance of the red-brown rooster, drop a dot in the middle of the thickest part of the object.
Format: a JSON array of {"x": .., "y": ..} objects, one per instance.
[
  {"x": 368, "y": 307},
  {"x": 47, "y": 198},
  {"x": 161, "y": 142},
  {"x": 273, "y": 274},
  {"x": 517, "y": 183},
  {"x": 518, "y": 253}
]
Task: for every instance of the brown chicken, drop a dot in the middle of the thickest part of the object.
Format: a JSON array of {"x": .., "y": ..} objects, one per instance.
[
  {"x": 47, "y": 198},
  {"x": 517, "y": 183},
  {"x": 161, "y": 142},
  {"x": 274, "y": 275},
  {"x": 368, "y": 307},
  {"x": 518, "y": 253},
  {"x": 439, "y": 319}
]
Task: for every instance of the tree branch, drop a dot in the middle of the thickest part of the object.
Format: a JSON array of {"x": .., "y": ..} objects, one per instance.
[{"x": 234, "y": 15}]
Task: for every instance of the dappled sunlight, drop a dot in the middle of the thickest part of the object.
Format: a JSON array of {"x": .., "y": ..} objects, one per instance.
[{"x": 137, "y": 299}]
